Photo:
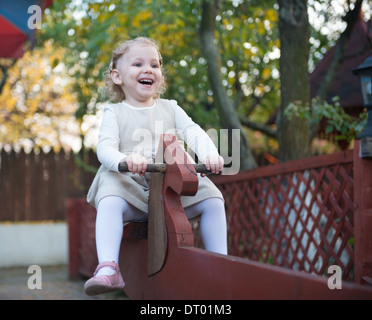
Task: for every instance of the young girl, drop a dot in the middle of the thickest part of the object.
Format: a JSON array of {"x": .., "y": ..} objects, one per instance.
[{"x": 135, "y": 81}]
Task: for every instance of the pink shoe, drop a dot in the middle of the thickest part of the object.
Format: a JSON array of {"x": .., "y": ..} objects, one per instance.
[{"x": 104, "y": 284}]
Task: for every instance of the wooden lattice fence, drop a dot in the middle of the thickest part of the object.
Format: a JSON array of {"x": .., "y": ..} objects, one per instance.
[{"x": 297, "y": 215}]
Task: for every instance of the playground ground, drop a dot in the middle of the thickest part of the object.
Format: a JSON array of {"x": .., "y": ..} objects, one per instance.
[{"x": 55, "y": 285}]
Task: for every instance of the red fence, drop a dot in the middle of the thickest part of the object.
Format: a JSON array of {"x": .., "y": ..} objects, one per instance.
[
  {"x": 297, "y": 215},
  {"x": 34, "y": 186}
]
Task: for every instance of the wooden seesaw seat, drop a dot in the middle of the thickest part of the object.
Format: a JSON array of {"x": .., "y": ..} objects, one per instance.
[{"x": 158, "y": 260}]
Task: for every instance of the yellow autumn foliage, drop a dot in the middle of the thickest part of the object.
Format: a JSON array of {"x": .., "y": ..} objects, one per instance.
[
  {"x": 266, "y": 73},
  {"x": 141, "y": 17},
  {"x": 37, "y": 105},
  {"x": 271, "y": 15}
]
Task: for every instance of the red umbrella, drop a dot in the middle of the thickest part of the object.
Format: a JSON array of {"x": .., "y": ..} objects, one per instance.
[{"x": 14, "y": 28}]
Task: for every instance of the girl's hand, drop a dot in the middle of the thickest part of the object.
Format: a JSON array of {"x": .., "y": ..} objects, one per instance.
[
  {"x": 214, "y": 164},
  {"x": 137, "y": 163}
]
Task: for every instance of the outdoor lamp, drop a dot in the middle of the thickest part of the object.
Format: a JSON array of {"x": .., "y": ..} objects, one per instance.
[{"x": 364, "y": 71}]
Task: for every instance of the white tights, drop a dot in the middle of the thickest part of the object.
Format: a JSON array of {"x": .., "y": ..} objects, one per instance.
[{"x": 112, "y": 211}]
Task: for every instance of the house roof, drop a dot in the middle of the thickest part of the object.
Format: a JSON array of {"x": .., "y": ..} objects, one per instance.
[
  {"x": 14, "y": 25},
  {"x": 345, "y": 84}
]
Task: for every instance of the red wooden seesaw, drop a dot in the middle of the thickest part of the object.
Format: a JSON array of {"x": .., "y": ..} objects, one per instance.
[{"x": 158, "y": 259}]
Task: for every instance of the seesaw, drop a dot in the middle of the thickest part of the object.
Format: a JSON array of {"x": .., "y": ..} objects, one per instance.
[{"x": 159, "y": 261}]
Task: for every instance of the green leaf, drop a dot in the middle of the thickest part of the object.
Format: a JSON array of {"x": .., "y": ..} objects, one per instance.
[{"x": 329, "y": 129}]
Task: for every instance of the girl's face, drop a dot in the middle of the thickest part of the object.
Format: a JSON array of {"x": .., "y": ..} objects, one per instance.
[{"x": 138, "y": 72}]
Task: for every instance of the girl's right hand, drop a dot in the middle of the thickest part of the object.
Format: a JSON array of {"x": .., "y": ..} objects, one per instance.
[{"x": 137, "y": 163}]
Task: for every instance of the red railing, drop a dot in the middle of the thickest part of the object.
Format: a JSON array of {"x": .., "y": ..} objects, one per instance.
[{"x": 297, "y": 215}]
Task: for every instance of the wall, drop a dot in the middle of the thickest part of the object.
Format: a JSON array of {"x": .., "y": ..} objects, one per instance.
[{"x": 28, "y": 243}]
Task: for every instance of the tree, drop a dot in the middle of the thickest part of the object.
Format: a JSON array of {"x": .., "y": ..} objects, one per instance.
[
  {"x": 228, "y": 116},
  {"x": 37, "y": 103},
  {"x": 338, "y": 123},
  {"x": 5, "y": 65},
  {"x": 245, "y": 57},
  {"x": 246, "y": 83},
  {"x": 294, "y": 29}
]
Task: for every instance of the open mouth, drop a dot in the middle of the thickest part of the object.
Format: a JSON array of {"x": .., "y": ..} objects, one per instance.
[{"x": 146, "y": 82}]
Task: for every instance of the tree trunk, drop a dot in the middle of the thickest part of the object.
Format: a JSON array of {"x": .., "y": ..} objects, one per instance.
[
  {"x": 5, "y": 69},
  {"x": 294, "y": 29},
  {"x": 228, "y": 117}
]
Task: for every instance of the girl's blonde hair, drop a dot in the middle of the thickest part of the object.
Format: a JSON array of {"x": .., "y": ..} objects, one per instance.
[{"x": 114, "y": 91}]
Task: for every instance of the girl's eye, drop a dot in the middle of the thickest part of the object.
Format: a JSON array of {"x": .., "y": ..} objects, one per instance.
[{"x": 139, "y": 64}]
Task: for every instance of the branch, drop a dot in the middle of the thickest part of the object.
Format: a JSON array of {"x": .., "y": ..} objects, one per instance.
[
  {"x": 5, "y": 69},
  {"x": 259, "y": 127},
  {"x": 228, "y": 117}
]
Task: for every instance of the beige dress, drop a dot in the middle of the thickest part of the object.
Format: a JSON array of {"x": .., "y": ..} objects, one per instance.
[{"x": 125, "y": 130}]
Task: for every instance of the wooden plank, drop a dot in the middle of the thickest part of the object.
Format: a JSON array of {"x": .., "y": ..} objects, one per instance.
[
  {"x": 195, "y": 274},
  {"x": 157, "y": 233},
  {"x": 362, "y": 216},
  {"x": 36, "y": 197},
  {"x": 49, "y": 184},
  {"x": 6, "y": 212},
  {"x": 2, "y": 185},
  {"x": 12, "y": 182},
  {"x": 21, "y": 183},
  {"x": 60, "y": 183},
  {"x": 27, "y": 186}
]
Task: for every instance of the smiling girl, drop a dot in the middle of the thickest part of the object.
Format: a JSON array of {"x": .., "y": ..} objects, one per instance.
[{"x": 135, "y": 82}]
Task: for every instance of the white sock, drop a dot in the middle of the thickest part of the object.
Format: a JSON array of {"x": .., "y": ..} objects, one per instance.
[
  {"x": 111, "y": 212},
  {"x": 212, "y": 223}
]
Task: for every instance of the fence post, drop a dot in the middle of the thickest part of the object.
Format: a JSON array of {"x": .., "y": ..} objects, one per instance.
[{"x": 362, "y": 217}]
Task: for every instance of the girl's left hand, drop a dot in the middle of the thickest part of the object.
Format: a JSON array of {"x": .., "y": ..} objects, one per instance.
[{"x": 214, "y": 164}]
